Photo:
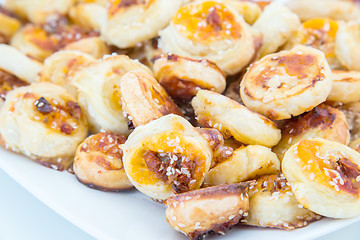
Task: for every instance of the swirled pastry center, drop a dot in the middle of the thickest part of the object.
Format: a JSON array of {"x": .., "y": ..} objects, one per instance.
[{"x": 206, "y": 22}]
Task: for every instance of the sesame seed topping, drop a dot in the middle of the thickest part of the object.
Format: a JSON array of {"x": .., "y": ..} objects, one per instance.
[{"x": 231, "y": 217}]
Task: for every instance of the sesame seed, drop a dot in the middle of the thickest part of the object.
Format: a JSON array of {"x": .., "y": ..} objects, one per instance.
[
  {"x": 181, "y": 225},
  {"x": 312, "y": 176},
  {"x": 197, "y": 224},
  {"x": 241, "y": 212},
  {"x": 173, "y": 218},
  {"x": 182, "y": 205},
  {"x": 246, "y": 214},
  {"x": 357, "y": 178},
  {"x": 231, "y": 217},
  {"x": 300, "y": 206}
]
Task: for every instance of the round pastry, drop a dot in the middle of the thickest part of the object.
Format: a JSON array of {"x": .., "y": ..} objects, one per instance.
[
  {"x": 57, "y": 66},
  {"x": 98, "y": 162},
  {"x": 277, "y": 24},
  {"x": 287, "y": 83},
  {"x": 323, "y": 122},
  {"x": 140, "y": 20},
  {"x": 334, "y": 9},
  {"x": 90, "y": 16},
  {"x": 233, "y": 119},
  {"x": 44, "y": 122},
  {"x": 246, "y": 163},
  {"x": 318, "y": 33},
  {"x": 347, "y": 45},
  {"x": 98, "y": 88},
  {"x": 93, "y": 46},
  {"x": 210, "y": 30},
  {"x": 9, "y": 24},
  {"x": 38, "y": 11},
  {"x": 18, "y": 64},
  {"x": 346, "y": 86},
  {"x": 272, "y": 204},
  {"x": 214, "y": 209},
  {"x": 166, "y": 156},
  {"x": 324, "y": 177},
  {"x": 182, "y": 77}
]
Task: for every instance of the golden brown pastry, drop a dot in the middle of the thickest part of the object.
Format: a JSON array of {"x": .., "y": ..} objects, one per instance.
[
  {"x": 144, "y": 99},
  {"x": 323, "y": 122},
  {"x": 318, "y": 33},
  {"x": 324, "y": 177},
  {"x": 276, "y": 24},
  {"x": 346, "y": 86},
  {"x": 210, "y": 30},
  {"x": 140, "y": 20},
  {"x": 246, "y": 163},
  {"x": 233, "y": 119},
  {"x": 335, "y": 9},
  {"x": 272, "y": 204},
  {"x": 182, "y": 77},
  {"x": 213, "y": 209},
  {"x": 98, "y": 162},
  {"x": 58, "y": 65},
  {"x": 89, "y": 16},
  {"x": 249, "y": 10},
  {"x": 44, "y": 122},
  {"x": 93, "y": 46},
  {"x": 166, "y": 156},
  {"x": 38, "y": 11},
  {"x": 98, "y": 88},
  {"x": 9, "y": 24},
  {"x": 287, "y": 83}
]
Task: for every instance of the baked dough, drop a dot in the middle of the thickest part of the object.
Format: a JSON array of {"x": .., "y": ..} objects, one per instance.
[
  {"x": 166, "y": 156},
  {"x": 44, "y": 122},
  {"x": 287, "y": 83},
  {"x": 324, "y": 177},
  {"x": 182, "y": 77},
  {"x": 233, "y": 119},
  {"x": 98, "y": 162},
  {"x": 9, "y": 24},
  {"x": 346, "y": 86},
  {"x": 334, "y": 9},
  {"x": 323, "y": 122},
  {"x": 249, "y": 10},
  {"x": 272, "y": 204},
  {"x": 143, "y": 98},
  {"x": 90, "y": 16},
  {"x": 93, "y": 46},
  {"x": 58, "y": 65},
  {"x": 246, "y": 163},
  {"x": 140, "y": 20},
  {"x": 210, "y": 30},
  {"x": 8, "y": 82},
  {"x": 352, "y": 114},
  {"x": 277, "y": 24},
  {"x": 98, "y": 88},
  {"x": 318, "y": 33},
  {"x": 213, "y": 209}
]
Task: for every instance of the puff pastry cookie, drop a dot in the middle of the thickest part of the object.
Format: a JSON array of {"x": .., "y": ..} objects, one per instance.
[
  {"x": 324, "y": 177},
  {"x": 98, "y": 88},
  {"x": 213, "y": 209},
  {"x": 233, "y": 119},
  {"x": 210, "y": 30},
  {"x": 323, "y": 121},
  {"x": 90, "y": 16},
  {"x": 182, "y": 77},
  {"x": 140, "y": 20},
  {"x": 249, "y": 10},
  {"x": 98, "y": 162},
  {"x": 272, "y": 204},
  {"x": 346, "y": 86},
  {"x": 166, "y": 156},
  {"x": 287, "y": 83},
  {"x": 44, "y": 122}
]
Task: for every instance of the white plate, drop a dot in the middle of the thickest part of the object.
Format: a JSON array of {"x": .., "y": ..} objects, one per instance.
[{"x": 125, "y": 215}]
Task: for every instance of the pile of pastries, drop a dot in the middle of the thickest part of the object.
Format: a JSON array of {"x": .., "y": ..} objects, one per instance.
[{"x": 226, "y": 111}]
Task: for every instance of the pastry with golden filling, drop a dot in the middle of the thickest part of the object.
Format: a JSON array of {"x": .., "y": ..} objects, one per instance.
[
  {"x": 233, "y": 119},
  {"x": 210, "y": 30},
  {"x": 335, "y": 9},
  {"x": 323, "y": 122},
  {"x": 98, "y": 89},
  {"x": 144, "y": 99},
  {"x": 324, "y": 177},
  {"x": 346, "y": 86},
  {"x": 347, "y": 45},
  {"x": 44, "y": 122},
  {"x": 214, "y": 209},
  {"x": 38, "y": 11},
  {"x": 93, "y": 46},
  {"x": 182, "y": 77},
  {"x": 139, "y": 20},
  {"x": 98, "y": 162},
  {"x": 246, "y": 163},
  {"x": 277, "y": 24},
  {"x": 9, "y": 24},
  {"x": 287, "y": 83},
  {"x": 272, "y": 204},
  {"x": 166, "y": 156},
  {"x": 58, "y": 65},
  {"x": 318, "y": 33}
]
